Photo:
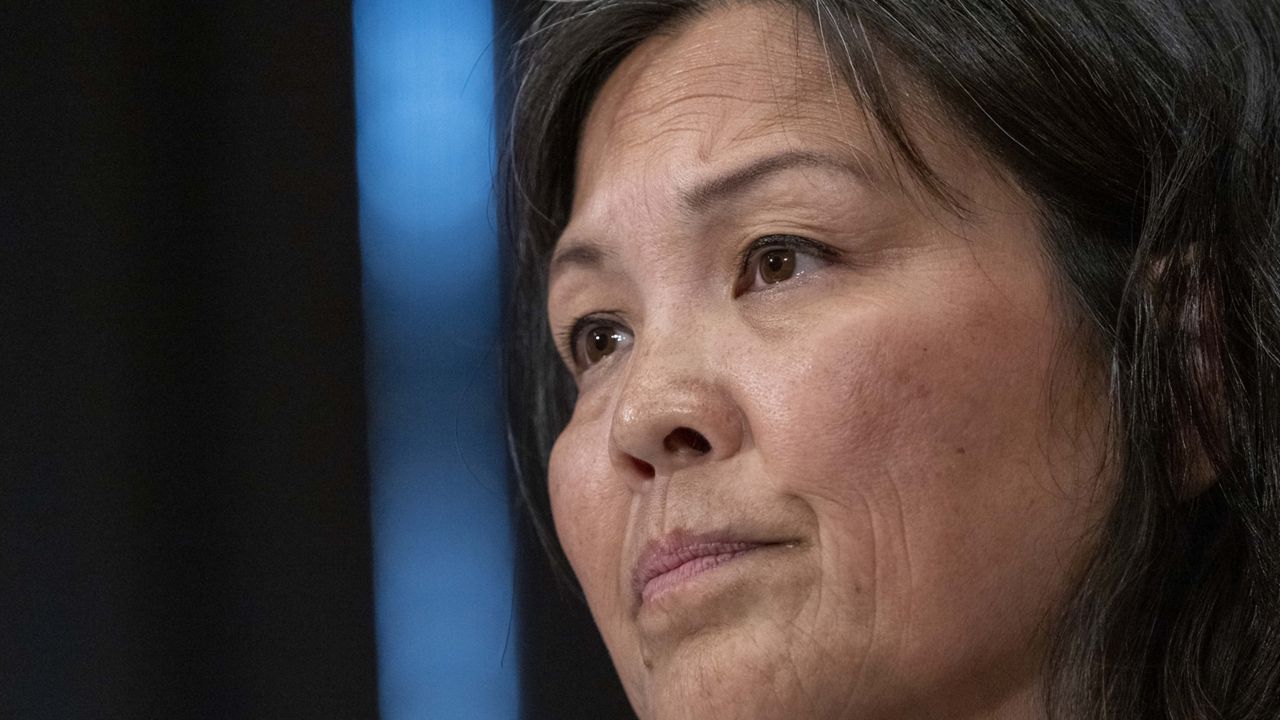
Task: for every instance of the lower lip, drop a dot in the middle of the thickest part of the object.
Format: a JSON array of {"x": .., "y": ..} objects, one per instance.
[{"x": 672, "y": 579}]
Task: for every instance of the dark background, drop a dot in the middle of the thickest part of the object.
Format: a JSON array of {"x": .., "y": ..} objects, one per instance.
[
  {"x": 183, "y": 467},
  {"x": 185, "y": 493}
]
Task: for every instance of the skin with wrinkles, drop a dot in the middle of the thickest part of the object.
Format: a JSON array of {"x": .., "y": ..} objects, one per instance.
[{"x": 914, "y": 417}]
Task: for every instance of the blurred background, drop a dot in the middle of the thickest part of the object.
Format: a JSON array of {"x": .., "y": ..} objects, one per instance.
[{"x": 252, "y": 462}]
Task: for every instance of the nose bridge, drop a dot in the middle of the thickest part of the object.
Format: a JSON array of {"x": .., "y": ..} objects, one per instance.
[{"x": 675, "y": 407}]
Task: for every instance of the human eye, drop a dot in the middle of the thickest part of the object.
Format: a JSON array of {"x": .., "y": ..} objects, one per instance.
[
  {"x": 774, "y": 259},
  {"x": 592, "y": 339}
]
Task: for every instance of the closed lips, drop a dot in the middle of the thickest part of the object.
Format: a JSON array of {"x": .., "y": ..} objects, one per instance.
[{"x": 664, "y": 565}]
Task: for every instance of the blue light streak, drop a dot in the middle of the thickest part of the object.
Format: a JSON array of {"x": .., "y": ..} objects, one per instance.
[{"x": 442, "y": 538}]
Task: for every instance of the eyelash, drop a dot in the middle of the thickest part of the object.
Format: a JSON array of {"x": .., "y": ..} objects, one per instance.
[{"x": 570, "y": 335}]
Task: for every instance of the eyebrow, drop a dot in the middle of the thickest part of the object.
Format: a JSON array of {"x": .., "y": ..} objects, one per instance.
[
  {"x": 737, "y": 182},
  {"x": 584, "y": 254},
  {"x": 589, "y": 255}
]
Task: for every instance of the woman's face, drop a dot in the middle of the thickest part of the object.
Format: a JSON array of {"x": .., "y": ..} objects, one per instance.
[{"x": 835, "y": 448}]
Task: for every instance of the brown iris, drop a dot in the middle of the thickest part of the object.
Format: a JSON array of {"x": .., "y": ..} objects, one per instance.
[
  {"x": 600, "y": 342},
  {"x": 777, "y": 265}
]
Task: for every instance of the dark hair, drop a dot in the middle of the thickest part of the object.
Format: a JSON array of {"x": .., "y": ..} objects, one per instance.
[{"x": 1148, "y": 131}]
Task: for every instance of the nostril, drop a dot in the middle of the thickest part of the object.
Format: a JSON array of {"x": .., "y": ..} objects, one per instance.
[
  {"x": 645, "y": 469},
  {"x": 684, "y": 439}
]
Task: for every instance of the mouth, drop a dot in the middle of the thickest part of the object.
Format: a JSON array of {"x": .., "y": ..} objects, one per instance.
[{"x": 675, "y": 559}]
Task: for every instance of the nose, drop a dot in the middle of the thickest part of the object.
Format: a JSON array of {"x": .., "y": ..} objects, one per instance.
[{"x": 672, "y": 414}]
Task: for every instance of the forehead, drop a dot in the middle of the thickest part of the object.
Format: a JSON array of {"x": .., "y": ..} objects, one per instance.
[{"x": 715, "y": 89}]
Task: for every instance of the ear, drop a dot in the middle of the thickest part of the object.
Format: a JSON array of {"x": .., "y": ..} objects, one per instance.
[{"x": 1179, "y": 365}]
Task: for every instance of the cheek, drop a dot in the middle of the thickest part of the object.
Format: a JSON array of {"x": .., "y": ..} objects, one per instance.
[
  {"x": 941, "y": 391},
  {"x": 590, "y": 511},
  {"x": 921, "y": 437}
]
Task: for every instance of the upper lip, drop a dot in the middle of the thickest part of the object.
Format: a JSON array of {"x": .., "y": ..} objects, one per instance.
[{"x": 666, "y": 553}]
